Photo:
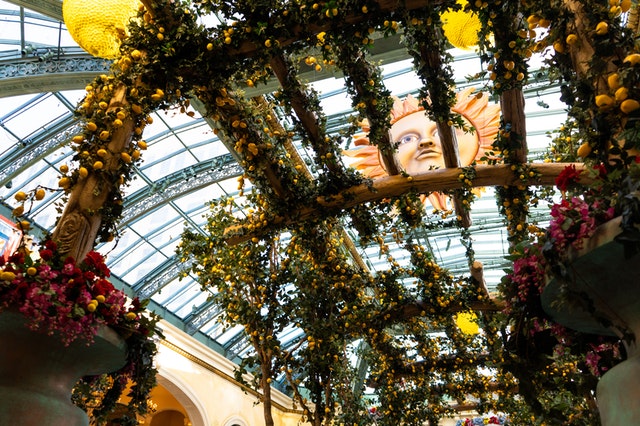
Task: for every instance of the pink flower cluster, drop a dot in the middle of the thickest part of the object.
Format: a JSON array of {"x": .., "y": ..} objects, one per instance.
[
  {"x": 574, "y": 220},
  {"x": 597, "y": 353},
  {"x": 528, "y": 277},
  {"x": 60, "y": 296}
]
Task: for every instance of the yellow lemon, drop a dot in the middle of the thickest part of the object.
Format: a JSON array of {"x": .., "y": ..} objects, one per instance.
[
  {"x": 602, "y": 28},
  {"x": 533, "y": 20},
  {"x": 604, "y": 101},
  {"x": 572, "y": 39},
  {"x": 544, "y": 23},
  {"x": 584, "y": 150},
  {"x": 633, "y": 58},
  {"x": 40, "y": 193},
  {"x": 621, "y": 94},
  {"x": 64, "y": 182},
  {"x": 558, "y": 46},
  {"x": 629, "y": 105},
  {"x": 20, "y": 196},
  {"x": 613, "y": 81}
]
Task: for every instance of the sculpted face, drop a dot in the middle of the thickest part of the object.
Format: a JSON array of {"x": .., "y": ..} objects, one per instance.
[{"x": 419, "y": 146}]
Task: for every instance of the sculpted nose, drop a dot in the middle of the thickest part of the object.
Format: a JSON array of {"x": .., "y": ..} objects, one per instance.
[{"x": 427, "y": 143}]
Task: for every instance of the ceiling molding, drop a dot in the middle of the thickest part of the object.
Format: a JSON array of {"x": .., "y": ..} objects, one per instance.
[{"x": 50, "y": 8}]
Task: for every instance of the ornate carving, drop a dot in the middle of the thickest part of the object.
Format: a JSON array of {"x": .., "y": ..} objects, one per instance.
[
  {"x": 165, "y": 275},
  {"x": 34, "y": 67},
  {"x": 72, "y": 231}
]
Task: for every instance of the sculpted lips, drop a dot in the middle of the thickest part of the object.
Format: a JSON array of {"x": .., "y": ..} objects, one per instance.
[{"x": 427, "y": 153}]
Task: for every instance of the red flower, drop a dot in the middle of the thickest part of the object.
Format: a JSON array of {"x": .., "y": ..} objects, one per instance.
[
  {"x": 569, "y": 176},
  {"x": 50, "y": 245},
  {"x": 96, "y": 261},
  {"x": 135, "y": 304},
  {"x": 46, "y": 254},
  {"x": 102, "y": 287},
  {"x": 602, "y": 170}
]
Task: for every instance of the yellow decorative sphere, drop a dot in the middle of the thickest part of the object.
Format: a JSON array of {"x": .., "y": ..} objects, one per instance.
[
  {"x": 99, "y": 26},
  {"x": 461, "y": 28},
  {"x": 467, "y": 322}
]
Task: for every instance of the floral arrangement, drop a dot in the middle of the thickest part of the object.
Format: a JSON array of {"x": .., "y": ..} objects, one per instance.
[
  {"x": 560, "y": 354},
  {"x": 479, "y": 421},
  {"x": 59, "y": 296}
]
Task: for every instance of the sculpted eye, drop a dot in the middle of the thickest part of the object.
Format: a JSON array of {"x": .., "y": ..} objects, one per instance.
[{"x": 408, "y": 138}]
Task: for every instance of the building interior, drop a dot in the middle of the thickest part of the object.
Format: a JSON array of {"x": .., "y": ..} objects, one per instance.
[{"x": 43, "y": 75}]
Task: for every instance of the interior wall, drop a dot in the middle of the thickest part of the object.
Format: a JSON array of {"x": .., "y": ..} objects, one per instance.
[{"x": 201, "y": 380}]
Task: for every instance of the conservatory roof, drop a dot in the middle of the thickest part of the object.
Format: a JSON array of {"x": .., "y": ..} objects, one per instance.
[{"x": 42, "y": 77}]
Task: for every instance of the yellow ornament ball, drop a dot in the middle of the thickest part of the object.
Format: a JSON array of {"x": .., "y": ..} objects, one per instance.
[
  {"x": 461, "y": 28},
  {"x": 467, "y": 322},
  {"x": 99, "y": 26}
]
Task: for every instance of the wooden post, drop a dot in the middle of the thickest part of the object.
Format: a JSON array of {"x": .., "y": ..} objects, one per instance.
[{"x": 78, "y": 227}]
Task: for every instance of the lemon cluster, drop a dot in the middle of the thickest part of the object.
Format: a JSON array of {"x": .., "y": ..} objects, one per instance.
[
  {"x": 99, "y": 33},
  {"x": 618, "y": 94},
  {"x": 461, "y": 27}
]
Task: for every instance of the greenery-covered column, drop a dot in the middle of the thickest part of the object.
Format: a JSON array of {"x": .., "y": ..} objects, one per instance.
[{"x": 105, "y": 146}]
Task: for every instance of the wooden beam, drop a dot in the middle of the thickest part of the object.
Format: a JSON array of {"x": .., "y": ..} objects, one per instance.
[{"x": 426, "y": 182}]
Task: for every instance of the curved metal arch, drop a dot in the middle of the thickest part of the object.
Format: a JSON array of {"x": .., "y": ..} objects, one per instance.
[
  {"x": 24, "y": 76},
  {"x": 50, "y": 8},
  {"x": 177, "y": 184},
  {"x": 36, "y": 149},
  {"x": 164, "y": 274},
  {"x": 205, "y": 313},
  {"x": 155, "y": 280}
]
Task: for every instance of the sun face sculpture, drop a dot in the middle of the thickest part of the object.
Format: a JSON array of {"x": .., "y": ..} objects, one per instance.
[{"x": 419, "y": 146}]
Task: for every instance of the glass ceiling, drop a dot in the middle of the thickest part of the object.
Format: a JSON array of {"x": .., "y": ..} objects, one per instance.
[{"x": 42, "y": 77}]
